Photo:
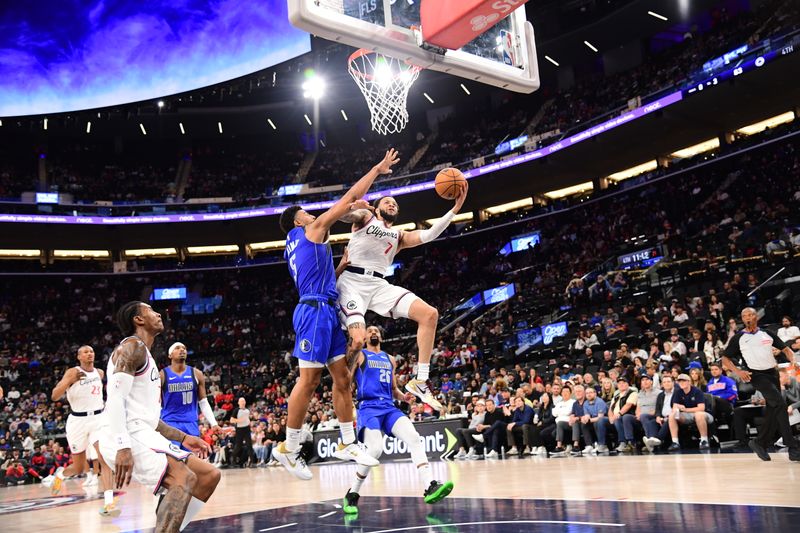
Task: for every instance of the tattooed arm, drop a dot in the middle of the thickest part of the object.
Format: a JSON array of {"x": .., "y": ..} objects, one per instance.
[
  {"x": 129, "y": 357},
  {"x": 170, "y": 432},
  {"x": 190, "y": 442}
]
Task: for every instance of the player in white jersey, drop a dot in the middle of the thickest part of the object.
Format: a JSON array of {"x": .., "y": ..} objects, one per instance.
[
  {"x": 135, "y": 442},
  {"x": 362, "y": 285},
  {"x": 83, "y": 385}
]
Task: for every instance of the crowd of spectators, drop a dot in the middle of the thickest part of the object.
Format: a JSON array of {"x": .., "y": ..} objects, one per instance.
[{"x": 246, "y": 171}]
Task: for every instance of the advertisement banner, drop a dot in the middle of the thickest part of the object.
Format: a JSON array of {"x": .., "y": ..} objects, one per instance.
[{"x": 438, "y": 437}]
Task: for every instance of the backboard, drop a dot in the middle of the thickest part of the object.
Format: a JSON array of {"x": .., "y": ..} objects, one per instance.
[{"x": 503, "y": 56}]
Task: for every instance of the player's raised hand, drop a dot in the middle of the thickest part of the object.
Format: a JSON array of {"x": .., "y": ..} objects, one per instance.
[
  {"x": 461, "y": 198},
  {"x": 389, "y": 160},
  {"x": 361, "y": 204},
  {"x": 196, "y": 445}
]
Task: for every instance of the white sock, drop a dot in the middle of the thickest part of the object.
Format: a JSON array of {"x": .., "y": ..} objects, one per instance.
[
  {"x": 108, "y": 497},
  {"x": 191, "y": 511},
  {"x": 423, "y": 371},
  {"x": 292, "y": 439},
  {"x": 60, "y": 473},
  {"x": 348, "y": 433},
  {"x": 425, "y": 475},
  {"x": 361, "y": 477}
]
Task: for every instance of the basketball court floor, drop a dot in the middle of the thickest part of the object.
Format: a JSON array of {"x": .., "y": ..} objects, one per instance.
[{"x": 666, "y": 493}]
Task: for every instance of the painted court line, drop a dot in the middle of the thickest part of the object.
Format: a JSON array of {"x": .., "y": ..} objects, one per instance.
[
  {"x": 326, "y": 515},
  {"x": 565, "y": 522},
  {"x": 383, "y": 510},
  {"x": 279, "y": 527}
]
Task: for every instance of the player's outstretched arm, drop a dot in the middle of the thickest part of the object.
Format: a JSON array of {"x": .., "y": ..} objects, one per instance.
[
  {"x": 202, "y": 399},
  {"x": 411, "y": 239},
  {"x": 318, "y": 229},
  {"x": 129, "y": 357}
]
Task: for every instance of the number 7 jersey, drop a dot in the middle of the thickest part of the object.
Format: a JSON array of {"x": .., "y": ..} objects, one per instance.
[{"x": 374, "y": 246}]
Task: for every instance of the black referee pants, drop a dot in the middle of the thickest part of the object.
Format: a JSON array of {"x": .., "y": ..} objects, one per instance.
[
  {"x": 776, "y": 417},
  {"x": 243, "y": 445}
]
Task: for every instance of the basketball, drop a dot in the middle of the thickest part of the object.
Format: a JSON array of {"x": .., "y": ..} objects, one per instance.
[{"x": 449, "y": 182}]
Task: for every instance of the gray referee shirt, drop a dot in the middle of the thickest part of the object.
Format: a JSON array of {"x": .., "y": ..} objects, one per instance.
[
  {"x": 755, "y": 348},
  {"x": 243, "y": 418}
]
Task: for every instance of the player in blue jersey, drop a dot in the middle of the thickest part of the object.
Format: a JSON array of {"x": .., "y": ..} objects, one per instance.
[
  {"x": 319, "y": 339},
  {"x": 377, "y": 415},
  {"x": 183, "y": 390}
]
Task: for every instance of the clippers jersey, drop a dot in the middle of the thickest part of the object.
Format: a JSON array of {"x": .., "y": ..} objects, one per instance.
[
  {"x": 374, "y": 246},
  {"x": 179, "y": 397},
  {"x": 374, "y": 379},
  {"x": 143, "y": 405},
  {"x": 86, "y": 395},
  {"x": 311, "y": 265}
]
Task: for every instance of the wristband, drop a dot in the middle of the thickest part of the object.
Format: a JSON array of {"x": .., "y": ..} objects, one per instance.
[{"x": 122, "y": 441}]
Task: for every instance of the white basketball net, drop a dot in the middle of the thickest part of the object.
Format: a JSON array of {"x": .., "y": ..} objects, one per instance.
[{"x": 384, "y": 81}]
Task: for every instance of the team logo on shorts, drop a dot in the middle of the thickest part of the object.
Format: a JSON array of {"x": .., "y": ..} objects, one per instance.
[
  {"x": 305, "y": 345},
  {"x": 174, "y": 448},
  {"x": 351, "y": 305}
]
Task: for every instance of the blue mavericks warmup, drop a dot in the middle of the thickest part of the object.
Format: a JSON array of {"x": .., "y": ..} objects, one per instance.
[
  {"x": 319, "y": 336},
  {"x": 375, "y": 382},
  {"x": 179, "y": 401}
]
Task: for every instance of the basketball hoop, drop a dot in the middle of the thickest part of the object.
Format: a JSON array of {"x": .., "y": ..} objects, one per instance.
[{"x": 384, "y": 81}]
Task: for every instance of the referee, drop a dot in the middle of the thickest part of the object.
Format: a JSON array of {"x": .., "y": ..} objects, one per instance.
[
  {"x": 755, "y": 345},
  {"x": 242, "y": 443}
]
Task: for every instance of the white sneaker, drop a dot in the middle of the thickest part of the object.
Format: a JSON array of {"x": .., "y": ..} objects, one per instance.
[
  {"x": 602, "y": 448},
  {"x": 513, "y": 451},
  {"x": 355, "y": 451},
  {"x": 779, "y": 443},
  {"x": 420, "y": 389},
  {"x": 48, "y": 481},
  {"x": 295, "y": 464},
  {"x": 589, "y": 450},
  {"x": 461, "y": 455},
  {"x": 541, "y": 450},
  {"x": 492, "y": 455},
  {"x": 472, "y": 456},
  {"x": 91, "y": 480}
]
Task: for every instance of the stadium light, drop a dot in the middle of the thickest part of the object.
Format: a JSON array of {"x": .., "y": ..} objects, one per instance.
[
  {"x": 180, "y": 125},
  {"x": 464, "y": 87},
  {"x": 314, "y": 86},
  {"x": 426, "y": 95},
  {"x": 89, "y": 127},
  {"x": 269, "y": 121},
  {"x": 344, "y": 115},
  {"x": 656, "y": 15},
  {"x": 307, "y": 119},
  {"x": 141, "y": 127},
  {"x": 553, "y": 61},
  {"x": 219, "y": 126},
  {"x": 45, "y": 124},
  {"x": 591, "y": 46},
  {"x": 160, "y": 104}
]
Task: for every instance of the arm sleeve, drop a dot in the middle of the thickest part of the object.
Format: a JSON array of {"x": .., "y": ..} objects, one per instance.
[
  {"x": 438, "y": 227},
  {"x": 776, "y": 341},
  {"x": 208, "y": 413},
  {"x": 119, "y": 386}
]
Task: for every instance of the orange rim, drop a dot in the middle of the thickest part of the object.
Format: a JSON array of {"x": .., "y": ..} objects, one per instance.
[{"x": 361, "y": 52}]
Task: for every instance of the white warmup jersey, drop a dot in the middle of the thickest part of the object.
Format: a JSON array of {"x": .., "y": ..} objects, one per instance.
[
  {"x": 143, "y": 405},
  {"x": 149, "y": 448},
  {"x": 86, "y": 398},
  {"x": 372, "y": 248},
  {"x": 86, "y": 394}
]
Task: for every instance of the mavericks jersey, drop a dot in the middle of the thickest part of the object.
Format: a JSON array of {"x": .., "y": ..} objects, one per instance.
[
  {"x": 311, "y": 265},
  {"x": 86, "y": 394},
  {"x": 179, "y": 397},
  {"x": 143, "y": 406},
  {"x": 374, "y": 246},
  {"x": 374, "y": 379}
]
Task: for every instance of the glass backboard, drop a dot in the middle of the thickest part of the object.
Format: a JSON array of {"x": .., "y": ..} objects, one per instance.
[{"x": 503, "y": 56}]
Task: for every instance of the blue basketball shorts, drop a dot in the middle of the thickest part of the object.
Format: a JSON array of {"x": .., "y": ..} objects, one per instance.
[
  {"x": 381, "y": 418},
  {"x": 319, "y": 338}
]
